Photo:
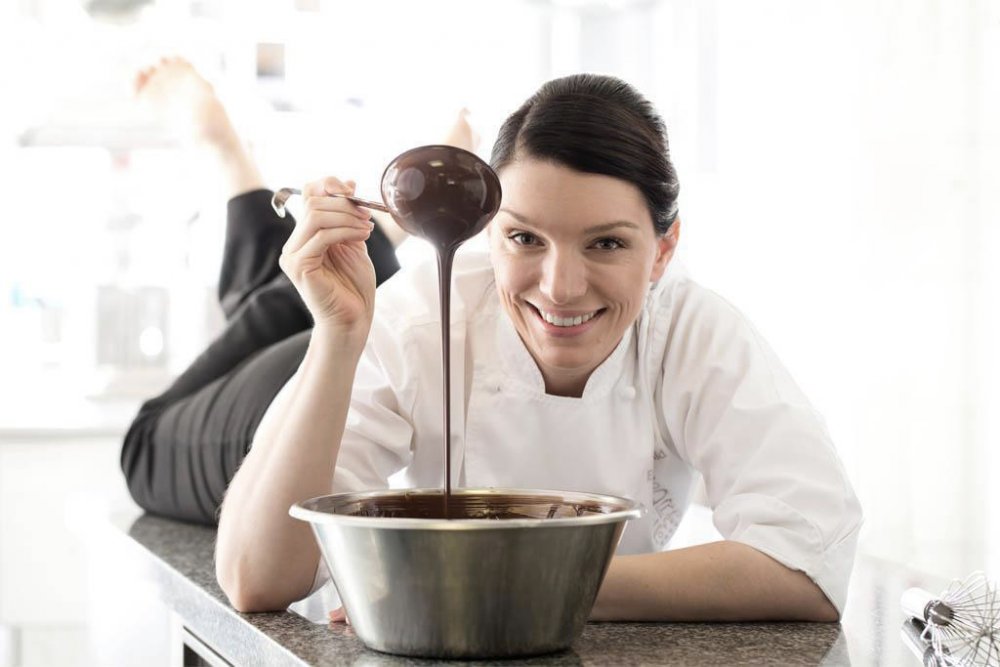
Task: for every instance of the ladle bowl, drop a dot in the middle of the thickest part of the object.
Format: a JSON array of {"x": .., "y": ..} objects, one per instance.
[
  {"x": 441, "y": 193},
  {"x": 516, "y": 573}
]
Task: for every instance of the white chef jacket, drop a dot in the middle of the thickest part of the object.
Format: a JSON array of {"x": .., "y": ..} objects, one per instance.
[{"x": 691, "y": 388}]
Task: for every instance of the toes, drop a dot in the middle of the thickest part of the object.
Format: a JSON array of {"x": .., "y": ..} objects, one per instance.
[{"x": 142, "y": 78}]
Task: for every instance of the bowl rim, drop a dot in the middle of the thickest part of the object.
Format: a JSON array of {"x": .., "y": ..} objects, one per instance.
[{"x": 632, "y": 510}]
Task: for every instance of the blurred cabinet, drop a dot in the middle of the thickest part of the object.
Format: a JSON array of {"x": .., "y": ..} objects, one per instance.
[{"x": 52, "y": 494}]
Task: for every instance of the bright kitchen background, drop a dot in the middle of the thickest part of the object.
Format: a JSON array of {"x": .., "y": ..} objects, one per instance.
[{"x": 839, "y": 162}]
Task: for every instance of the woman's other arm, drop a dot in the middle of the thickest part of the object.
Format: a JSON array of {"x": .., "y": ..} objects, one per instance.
[
  {"x": 720, "y": 581},
  {"x": 779, "y": 494}
]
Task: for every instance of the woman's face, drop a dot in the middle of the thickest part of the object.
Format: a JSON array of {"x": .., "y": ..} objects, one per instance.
[{"x": 573, "y": 254}]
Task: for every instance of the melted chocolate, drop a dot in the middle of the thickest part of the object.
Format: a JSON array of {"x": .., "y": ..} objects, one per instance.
[
  {"x": 445, "y": 195},
  {"x": 465, "y": 505}
]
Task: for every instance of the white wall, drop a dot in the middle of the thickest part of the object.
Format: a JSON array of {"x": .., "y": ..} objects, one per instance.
[
  {"x": 838, "y": 165},
  {"x": 55, "y": 492},
  {"x": 986, "y": 321}
]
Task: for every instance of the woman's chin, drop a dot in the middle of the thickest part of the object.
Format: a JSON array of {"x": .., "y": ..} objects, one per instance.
[{"x": 567, "y": 365}]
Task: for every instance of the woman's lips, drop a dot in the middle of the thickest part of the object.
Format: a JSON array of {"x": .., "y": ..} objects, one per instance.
[{"x": 566, "y": 331}]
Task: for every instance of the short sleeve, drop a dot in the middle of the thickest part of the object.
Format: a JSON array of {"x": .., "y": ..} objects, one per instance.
[{"x": 772, "y": 476}]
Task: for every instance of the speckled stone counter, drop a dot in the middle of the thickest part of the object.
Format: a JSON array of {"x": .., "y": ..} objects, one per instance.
[{"x": 178, "y": 559}]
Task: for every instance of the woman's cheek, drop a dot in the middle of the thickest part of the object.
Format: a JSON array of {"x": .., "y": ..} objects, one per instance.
[{"x": 516, "y": 272}]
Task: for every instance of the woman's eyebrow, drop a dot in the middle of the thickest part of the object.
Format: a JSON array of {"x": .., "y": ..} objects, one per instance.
[
  {"x": 608, "y": 226},
  {"x": 517, "y": 216},
  {"x": 596, "y": 229}
]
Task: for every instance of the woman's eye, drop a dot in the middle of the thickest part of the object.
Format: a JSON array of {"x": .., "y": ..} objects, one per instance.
[
  {"x": 523, "y": 238},
  {"x": 608, "y": 244}
]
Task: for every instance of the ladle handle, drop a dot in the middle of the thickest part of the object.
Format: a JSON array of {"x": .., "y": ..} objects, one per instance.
[{"x": 281, "y": 197}]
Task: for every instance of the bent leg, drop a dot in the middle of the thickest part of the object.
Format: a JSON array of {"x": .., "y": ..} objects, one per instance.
[
  {"x": 186, "y": 444},
  {"x": 255, "y": 235},
  {"x": 179, "y": 458}
]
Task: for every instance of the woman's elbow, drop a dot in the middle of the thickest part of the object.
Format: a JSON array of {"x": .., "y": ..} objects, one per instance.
[
  {"x": 252, "y": 586},
  {"x": 247, "y": 601},
  {"x": 248, "y": 596},
  {"x": 823, "y": 612},
  {"x": 250, "y": 602},
  {"x": 811, "y": 604}
]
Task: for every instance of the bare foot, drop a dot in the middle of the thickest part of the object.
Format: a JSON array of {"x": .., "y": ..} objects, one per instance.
[
  {"x": 461, "y": 133},
  {"x": 185, "y": 101},
  {"x": 188, "y": 105}
]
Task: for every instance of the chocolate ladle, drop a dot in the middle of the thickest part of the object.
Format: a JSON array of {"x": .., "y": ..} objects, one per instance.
[
  {"x": 440, "y": 193},
  {"x": 446, "y": 195}
]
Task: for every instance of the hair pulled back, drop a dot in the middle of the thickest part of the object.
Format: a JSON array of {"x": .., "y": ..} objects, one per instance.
[{"x": 600, "y": 125}]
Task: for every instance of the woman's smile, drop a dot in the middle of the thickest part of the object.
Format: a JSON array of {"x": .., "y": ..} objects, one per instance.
[{"x": 563, "y": 323}]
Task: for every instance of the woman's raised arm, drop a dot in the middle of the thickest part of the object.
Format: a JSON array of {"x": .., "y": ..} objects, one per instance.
[{"x": 265, "y": 559}]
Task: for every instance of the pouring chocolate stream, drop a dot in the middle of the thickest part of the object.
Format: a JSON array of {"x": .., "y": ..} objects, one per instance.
[{"x": 445, "y": 195}]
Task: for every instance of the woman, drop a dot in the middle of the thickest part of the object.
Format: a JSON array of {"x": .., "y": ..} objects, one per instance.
[{"x": 585, "y": 360}]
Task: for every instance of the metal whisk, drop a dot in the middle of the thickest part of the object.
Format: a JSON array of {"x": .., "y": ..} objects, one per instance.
[{"x": 962, "y": 624}]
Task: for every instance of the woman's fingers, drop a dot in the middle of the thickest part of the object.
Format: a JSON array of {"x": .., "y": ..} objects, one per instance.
[
  {"x": 325, "y": 238},
  {"x": 326, "y": 259},
  {"x": 320, "y": 241},
  {"x": 327, "y": 186},
  {"x": 318, "y": 194},
  {"x": 333, "y": 203},
  {"x": 325, "y": 212},
  {"x": 339, "y": 616},
  {"x": 318, "y": 221},
  {"x": 323, "y": 190}
]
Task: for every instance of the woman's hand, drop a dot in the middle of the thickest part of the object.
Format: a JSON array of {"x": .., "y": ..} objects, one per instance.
[
  {"x": 339, "y": 615},
  {"x": 327, "y": 261}
]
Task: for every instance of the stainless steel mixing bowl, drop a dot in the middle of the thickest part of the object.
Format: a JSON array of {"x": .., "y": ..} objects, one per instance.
[{"x": 517, "y": 576}]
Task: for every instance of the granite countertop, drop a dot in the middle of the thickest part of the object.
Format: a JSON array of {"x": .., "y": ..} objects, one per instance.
[{"x": 178, "y": 558}]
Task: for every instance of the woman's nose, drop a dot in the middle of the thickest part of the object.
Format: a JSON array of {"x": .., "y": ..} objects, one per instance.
[{"x": 564, "y": 278}]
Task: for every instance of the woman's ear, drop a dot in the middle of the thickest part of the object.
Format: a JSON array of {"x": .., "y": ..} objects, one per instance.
[{"x": 665, "y": 246}]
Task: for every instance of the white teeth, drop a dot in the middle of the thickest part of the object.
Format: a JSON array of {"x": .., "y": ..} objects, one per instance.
[{"x": 566, "y": 321}]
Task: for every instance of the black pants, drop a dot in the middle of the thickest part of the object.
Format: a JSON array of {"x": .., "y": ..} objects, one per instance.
[{"x": 185, "y": 445}]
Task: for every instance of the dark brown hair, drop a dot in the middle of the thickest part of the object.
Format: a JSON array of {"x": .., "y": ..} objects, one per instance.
[{"x": 599, "y": 125}]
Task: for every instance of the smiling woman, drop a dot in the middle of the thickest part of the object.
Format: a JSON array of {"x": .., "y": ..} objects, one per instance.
[
  {"x": 586, "y": 361},
  {"x": 588, "y": 222},
  {"x": 574, "y": 255}
]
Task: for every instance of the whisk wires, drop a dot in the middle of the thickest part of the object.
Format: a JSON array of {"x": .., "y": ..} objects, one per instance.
[{"x": 964, "y": 623}]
